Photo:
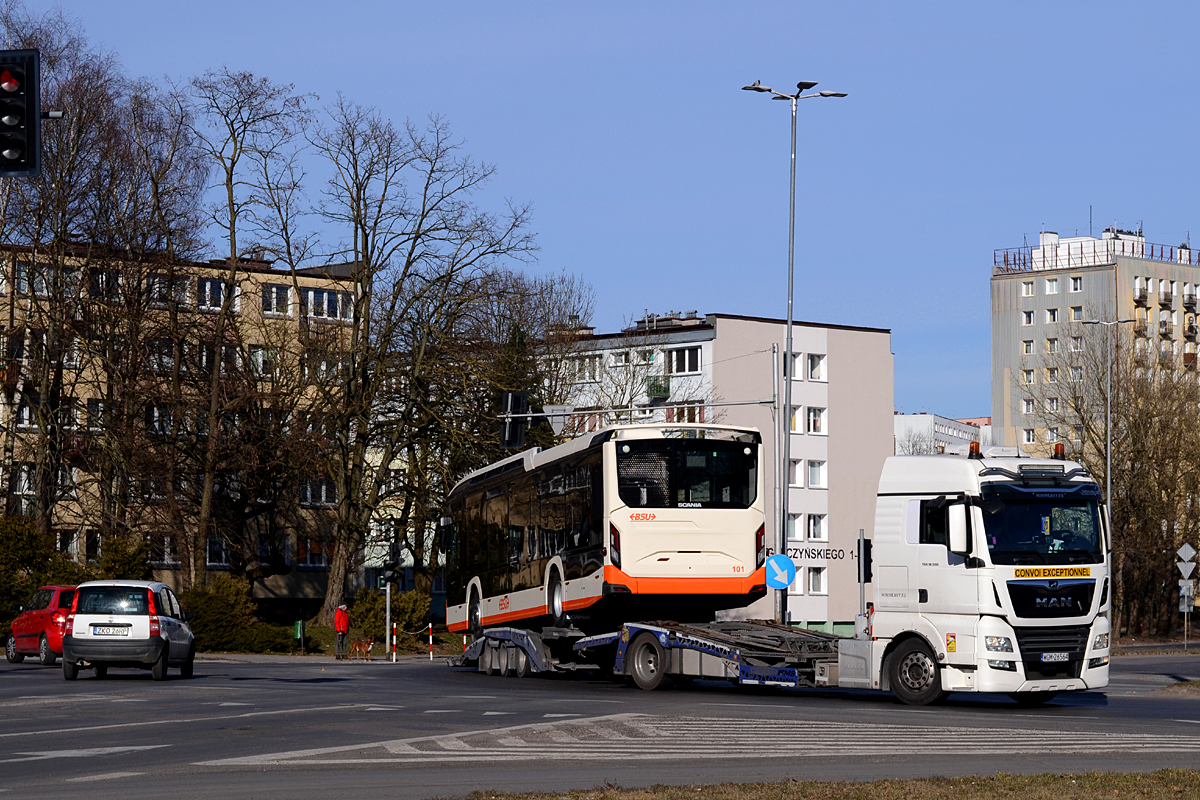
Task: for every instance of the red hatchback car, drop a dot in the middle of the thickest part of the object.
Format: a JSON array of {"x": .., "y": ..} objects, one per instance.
[{"x": 38, "y": 629}]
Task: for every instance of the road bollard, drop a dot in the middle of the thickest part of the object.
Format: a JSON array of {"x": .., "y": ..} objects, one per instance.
[{"x": 431, "y": 641}]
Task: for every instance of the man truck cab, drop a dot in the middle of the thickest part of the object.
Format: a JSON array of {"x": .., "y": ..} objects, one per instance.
[{"x": 991, "y": 574}]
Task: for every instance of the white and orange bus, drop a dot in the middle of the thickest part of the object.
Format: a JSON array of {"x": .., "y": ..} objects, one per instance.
[{"x": 632, "y": 522}]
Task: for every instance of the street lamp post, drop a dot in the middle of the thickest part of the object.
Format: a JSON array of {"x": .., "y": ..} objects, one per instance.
[
  {"x": 801, "y": 87},
  {"x": 1108, "y": 408}
]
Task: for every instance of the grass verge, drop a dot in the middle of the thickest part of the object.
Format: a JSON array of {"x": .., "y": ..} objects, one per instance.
[{"x": 1168, "y": 783}]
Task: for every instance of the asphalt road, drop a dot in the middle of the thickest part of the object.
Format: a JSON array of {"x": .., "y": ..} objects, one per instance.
[{"x": 288, "y": 727}]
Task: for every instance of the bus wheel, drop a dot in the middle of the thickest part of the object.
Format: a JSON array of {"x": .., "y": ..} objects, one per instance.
[
  {"x": 474, "y": 617},
  {"x": 647, "y": 661},
  {"x": 554, "y": 600},
  {"x": 521, "y": 668},
  {"x": 915, "y": 679}
]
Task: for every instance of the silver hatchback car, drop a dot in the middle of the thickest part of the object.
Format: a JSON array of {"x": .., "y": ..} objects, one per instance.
[{"x": 127, "y": 624}]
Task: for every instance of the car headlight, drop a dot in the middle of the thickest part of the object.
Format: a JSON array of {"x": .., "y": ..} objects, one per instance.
[
  {"x": 1101, "y": 642},
  {"x": 998, "y": 644}
]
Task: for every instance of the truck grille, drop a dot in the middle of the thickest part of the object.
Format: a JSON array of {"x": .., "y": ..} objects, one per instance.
[
  {"x": 1049, "y": 599},
  {"x": 1072, "y": 640}
]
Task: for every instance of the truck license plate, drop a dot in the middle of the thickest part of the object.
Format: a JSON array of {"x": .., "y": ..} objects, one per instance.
[
  {"x": 1054, "y": 658},
  {"x": 104, "y": 630}
]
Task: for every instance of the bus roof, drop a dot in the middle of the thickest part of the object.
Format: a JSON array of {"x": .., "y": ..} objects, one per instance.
[{"x": 535, "y": 457}]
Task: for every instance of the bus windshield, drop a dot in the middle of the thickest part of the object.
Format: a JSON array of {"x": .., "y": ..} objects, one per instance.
[
  {"x": 687, "y": 473},
  {"x": 1043, "y": 525}
]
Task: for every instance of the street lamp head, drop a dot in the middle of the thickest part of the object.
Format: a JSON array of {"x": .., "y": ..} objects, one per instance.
[
  {"x": 833, "y": 94},
  {"x": 804, "y": 86},
  {"x": 756, "y": 87}
]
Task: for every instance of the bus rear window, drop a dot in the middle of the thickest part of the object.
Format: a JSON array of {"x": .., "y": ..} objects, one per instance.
[{"x": 687, "y": 473}]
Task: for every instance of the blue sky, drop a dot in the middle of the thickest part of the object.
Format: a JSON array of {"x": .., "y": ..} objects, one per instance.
[{"x": 968, "y": 127}]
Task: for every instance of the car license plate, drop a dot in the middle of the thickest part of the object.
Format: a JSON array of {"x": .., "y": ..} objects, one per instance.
[
  {"x": 109, "y": 630},
  {"x": 1054, "y": 658}
]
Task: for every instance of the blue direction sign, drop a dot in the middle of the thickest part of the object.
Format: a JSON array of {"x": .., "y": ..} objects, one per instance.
[{"x": 781, "y": 572}]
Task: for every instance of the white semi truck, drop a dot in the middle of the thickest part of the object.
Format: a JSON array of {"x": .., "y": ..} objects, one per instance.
[{"x": 990, "y": 574}]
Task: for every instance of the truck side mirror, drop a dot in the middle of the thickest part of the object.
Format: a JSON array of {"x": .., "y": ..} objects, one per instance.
[{"x": 958, "y": 529}]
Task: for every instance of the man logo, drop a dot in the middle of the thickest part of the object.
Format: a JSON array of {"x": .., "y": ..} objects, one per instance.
[
  {"x": 1053, "y": 584},
  {"x": 1053, "y": 602}
]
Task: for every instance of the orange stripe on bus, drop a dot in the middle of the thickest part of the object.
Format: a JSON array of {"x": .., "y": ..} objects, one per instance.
[
  {"x": 739, "y": 585},
  {"x": 508, "y": 616},
  {"x": 456, "y": 627},
  {"x": 580, "y": 602}
]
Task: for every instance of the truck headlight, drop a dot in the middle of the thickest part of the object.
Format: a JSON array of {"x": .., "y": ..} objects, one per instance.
[
  {"x": 998, "y": 644},
  {"x": 1101, "y": 642}
]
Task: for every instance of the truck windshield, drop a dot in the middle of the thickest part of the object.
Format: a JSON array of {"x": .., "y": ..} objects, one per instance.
[
  {"x": 1043, "y": 525},
  {"x": 687, "y": 473}
]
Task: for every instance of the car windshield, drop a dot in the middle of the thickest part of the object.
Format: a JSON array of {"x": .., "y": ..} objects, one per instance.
[
  {"x": 112, "y": 600},
  {"x": 1043, "y": 525},
  {"x": 687, "y": 473}
]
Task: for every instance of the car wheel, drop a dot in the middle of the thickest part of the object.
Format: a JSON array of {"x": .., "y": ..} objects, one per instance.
[
  {"x": 474, "y": 615},
  {"x": 187, "y": 668},
  {"x": 554, "y": 600},
  {"x": 70, "y": 670},
  {"x": 914, "y": 674},
  {"x": 101, "y": 670},
  {"x": 10, "y": 651},
  {"x": 46, "y": 656},
  {"x": 159, "y": 670},
  {"x": 648, "y": 660},
  {"x": 1030, "y": 699}
]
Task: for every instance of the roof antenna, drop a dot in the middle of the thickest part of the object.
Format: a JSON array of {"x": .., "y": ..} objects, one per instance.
[{"x": 1090, "y": 234}]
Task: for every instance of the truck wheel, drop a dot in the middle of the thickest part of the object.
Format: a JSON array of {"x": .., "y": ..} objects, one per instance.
[
  {"x": 521, "y": 668},
  {"x": 10, "y": 651},
  {"x": 554, "y": 600},
  {"x": 474, "y": 615},
  {"x": 46, "y": 656},
  {"x": 647, "y": 660},
  {"x": 914, "y": 674},
  {"x": 1030, "y": 699}
]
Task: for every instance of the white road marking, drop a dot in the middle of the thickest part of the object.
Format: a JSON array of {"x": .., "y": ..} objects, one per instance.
[
  {"x": 104, "y": 776},
  {"x": 236, "y": 704},
  {"x": 497, "y": 713},
  {"x": 80, "y": 753},
  {"x": 385, "y": 708},
  {"x": 625, "y": 737},
  {"x": 339, "y": 707},
  {"x": 559, "y": 716},
  {"x": 130, "y": 700},
  {"x": 1193, "y": 721},
  {"x": 444, "y": 711}
]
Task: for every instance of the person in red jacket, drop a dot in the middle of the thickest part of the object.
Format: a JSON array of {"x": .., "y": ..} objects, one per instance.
[{"x": 341, "y": 624}]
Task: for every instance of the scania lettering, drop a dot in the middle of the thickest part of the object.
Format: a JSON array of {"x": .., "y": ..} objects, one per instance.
[{"x": 991, "y": 572}]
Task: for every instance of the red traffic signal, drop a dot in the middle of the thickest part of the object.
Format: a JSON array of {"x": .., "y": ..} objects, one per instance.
[{"x": 20, "y": 113}]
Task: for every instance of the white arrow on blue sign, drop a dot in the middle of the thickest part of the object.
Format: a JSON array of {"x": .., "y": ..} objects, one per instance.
[{"x": 781, "y": 572}]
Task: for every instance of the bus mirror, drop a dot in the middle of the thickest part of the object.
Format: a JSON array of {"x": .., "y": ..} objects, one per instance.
[{"x": 958, "y": 529}]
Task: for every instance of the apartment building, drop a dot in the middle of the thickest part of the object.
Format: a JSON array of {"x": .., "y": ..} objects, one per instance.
[
  {"x": 927, "y": 434},
  {"x": 74, "y": 328},
  {"x": 728, "y": 369},
  {"x": 1042, "y": 295}
]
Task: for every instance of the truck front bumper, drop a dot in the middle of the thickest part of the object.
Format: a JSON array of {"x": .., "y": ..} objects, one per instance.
[{"x": 1008, "y": 673}]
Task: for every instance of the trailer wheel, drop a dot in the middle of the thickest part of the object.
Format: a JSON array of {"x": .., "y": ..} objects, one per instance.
[
  {"x": 485, "y": 660},
  {"x": 648, "y": 661},
  {"x": 521, "y": 670},
  {"x": 914, "y": 674},
  {"x": 506, "y": 659}
]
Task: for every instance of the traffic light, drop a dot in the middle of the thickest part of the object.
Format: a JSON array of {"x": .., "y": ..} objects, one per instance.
[
  {"x": 391, "y": 567},
  {"x": 864, "y": 562},
  {"x": 20, "y": 114},
  {"x": 512, "y": 431}
]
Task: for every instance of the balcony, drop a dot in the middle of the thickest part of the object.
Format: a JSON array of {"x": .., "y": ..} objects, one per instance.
[
  {"x": 658, "y": 387},
  {"x": 1139, "y": 327},
  {"x": 1165, "y": 329},
  {"x": 1189, "y": 360},
  {"x": 1166, "y": 358},
  {"x": 1140, "y": 357},
  {"x": 1189, "y": 299},
  {"x": 1166, "y": 299},
  {"x": 1140, "y": 295},
  {"x": 1190, "y": 330}
]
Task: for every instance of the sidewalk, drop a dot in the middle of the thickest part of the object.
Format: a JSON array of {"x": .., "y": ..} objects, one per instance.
[{"x": 314, "y": 659}]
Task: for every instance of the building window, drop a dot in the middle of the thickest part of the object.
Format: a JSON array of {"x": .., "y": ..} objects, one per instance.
[
  {"x": 1026, "y": 318},
  {"x": 262, "y": 362},
  {"x": 275, "y": 299},
  {"x": 816, "y": 580},
  {"x": 1026, "y": 406},
  {"x": 793, "y": 528},
  {"x": 1027, "y": 347},
  {"x": 1030, "y": 436},
  {"x": 1076, "y": 313},
  {"x": 1027, "y": 377},
  {"x": 318, "y": 492},
  {"x": 816, "y": 421},
  {"x": 586, "y": 369},
  {"x": 1051, "y": 315},
  {"x": 1052, "y": 434},
  {"x": 1077, "y": 433},
  {"x": 95, "y": 415},
  {"x": 1052, "y": 405},
  {"x": 816, "y": 475},
  {"x": 818, "y": 530},
  {"x": 690, "y": 412},
  {"x": 1052, "y": 375},
  {"x": 210, "y": 293},
  {"x": 794, "y": 475},
  {"x": 1076, "y": 374},
  {"x": 1076, "y": 344},
  {"x": 26, "y": 416},
  {"x": 328, "y": 304},
  {"x": 1052, "y": 345},
  {"x": 684, "y": 360},
  {"x": 1051, "y": 285},
  {"x": 158, "y": 419},
  {"x": 1077, "y": 284},
  {"x": 816, "y": 367},
  {"x": 218, "y": 552},
  {"x": 159, "y": 290},
  {"x": 1026, "y": 288},
  {"x": 313, "y": 552}
]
